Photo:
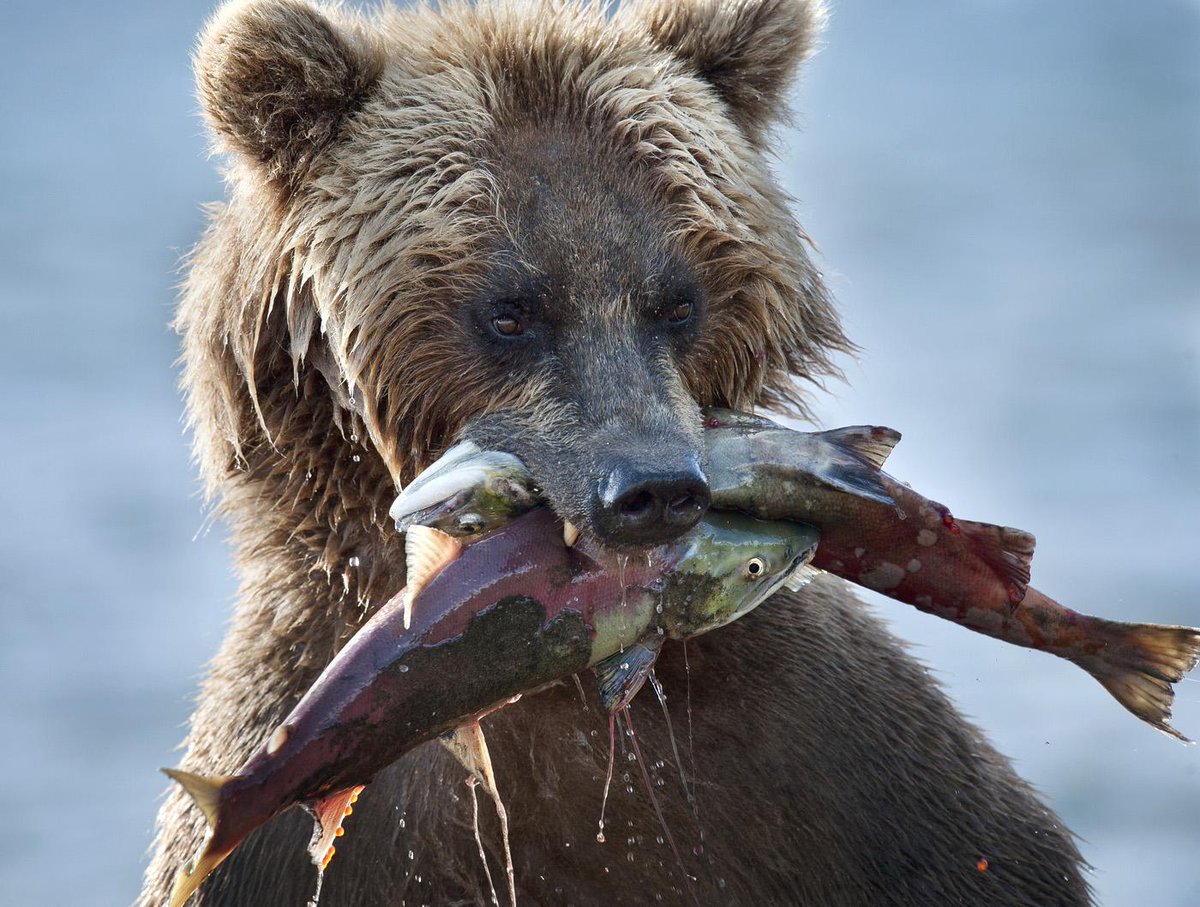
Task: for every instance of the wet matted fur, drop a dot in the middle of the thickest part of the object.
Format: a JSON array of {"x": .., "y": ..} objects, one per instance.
[{"x": 380, "y": 185}]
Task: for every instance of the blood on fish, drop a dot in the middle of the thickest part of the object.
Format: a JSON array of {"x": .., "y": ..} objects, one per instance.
[{"x": 982, "y": 864}]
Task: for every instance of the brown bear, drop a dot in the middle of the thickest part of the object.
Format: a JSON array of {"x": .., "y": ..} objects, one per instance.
[{"x": 567, "y": 211}]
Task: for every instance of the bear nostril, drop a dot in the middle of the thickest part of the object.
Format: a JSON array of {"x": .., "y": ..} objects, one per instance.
[
  {"x": 682, "y": 503},
  {"x": 638, "y": 504},
  {"x": 642, "y": 506}
]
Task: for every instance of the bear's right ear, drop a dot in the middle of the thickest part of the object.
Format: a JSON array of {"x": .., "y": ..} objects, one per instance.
[{"x": 276, "y": 79}]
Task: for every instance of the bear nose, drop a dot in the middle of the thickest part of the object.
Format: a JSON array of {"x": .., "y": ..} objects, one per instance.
[{"x": 649, "y": 503}]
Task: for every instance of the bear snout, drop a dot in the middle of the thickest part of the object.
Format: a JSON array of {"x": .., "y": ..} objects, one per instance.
[{"x": 645, "y": 497}]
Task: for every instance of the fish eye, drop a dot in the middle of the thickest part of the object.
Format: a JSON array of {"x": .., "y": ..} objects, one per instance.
[
  {"x": 470, "y": 524},
  {"x": 755, "y": 567}
]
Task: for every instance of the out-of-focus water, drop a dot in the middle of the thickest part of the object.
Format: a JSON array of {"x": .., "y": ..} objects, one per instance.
[{"x": 1007, "y": 200}]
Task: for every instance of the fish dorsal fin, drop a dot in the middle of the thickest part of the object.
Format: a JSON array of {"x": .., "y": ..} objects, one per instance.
[
  {"x": 205, "y": 791},
  {"x": 1007, "y": 551},
  {"x": 427, "y": 552},
  {"x": 621, "y": 676},
  {"x": 872, "y": 443},
  {"x": 328, "y": 815}
]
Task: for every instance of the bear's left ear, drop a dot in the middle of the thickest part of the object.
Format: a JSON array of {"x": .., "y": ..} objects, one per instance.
[
  {"x": 276, "y": 79},
  {"x": 749, "y": 50}
]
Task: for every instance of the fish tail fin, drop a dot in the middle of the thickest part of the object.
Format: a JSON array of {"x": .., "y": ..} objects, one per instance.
[
  {"x": 1007, "y": 551},
  {"x": 205, "y": 791},
  {"x": 189, "y": 877},
  {"x": 1140, "y": 665}
]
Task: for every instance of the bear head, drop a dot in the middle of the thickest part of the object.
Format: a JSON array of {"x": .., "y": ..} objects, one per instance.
[{"x": 560, "y": 212}]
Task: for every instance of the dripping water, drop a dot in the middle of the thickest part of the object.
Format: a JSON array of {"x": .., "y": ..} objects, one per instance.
[
  {"x": 657, "y": 686},
  {"x": 317, "y": 893},
  {"x": 582, "y": 694},
  {"x": 502, "y": 815},
  {"x": 662, "y": 820},
  {"x": 612, "y": 750},
  {"x": 487, "y": 870},
  {"x": 687, "y": 673}
]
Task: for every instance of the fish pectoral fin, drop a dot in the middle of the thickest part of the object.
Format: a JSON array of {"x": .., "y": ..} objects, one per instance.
[
  {"x": 469, "y": 746},
  {"x": 801, "y": 577},
  {"x": 328, "y": 815},
  {"x": 1008, "y": 552},
  {"x": 621, "y": 676},
  {"x": 205, "y": 791},
  {"x": 427, "y": 552},
  {"x": 872, "y": 443}
]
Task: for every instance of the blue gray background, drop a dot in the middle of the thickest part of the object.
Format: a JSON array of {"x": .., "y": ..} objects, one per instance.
[{"x": 1006, "y": 196}]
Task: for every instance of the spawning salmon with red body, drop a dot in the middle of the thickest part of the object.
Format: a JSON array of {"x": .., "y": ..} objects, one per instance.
[
  {"x": 504, "y": 616},
  {"x": 874, "y": 531}
]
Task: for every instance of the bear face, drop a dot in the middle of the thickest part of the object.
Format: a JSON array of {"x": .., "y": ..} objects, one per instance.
[{"x": 523, "y": 207}]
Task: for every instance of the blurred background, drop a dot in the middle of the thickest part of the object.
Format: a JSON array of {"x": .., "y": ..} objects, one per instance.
[{"x": 1006, "y": 197}]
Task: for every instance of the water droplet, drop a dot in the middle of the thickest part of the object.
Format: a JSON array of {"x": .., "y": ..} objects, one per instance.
[
  {"x": 600, "y": 839},
  {"x": 411, "y": 855},
  {"x": 356, "y": 458},
  {"x": 403, "y": 669},
  {"x": 354, "y": 561}
]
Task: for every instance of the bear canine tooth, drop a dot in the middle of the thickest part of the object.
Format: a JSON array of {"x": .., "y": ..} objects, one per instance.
[{"x": 570, "y": 533}]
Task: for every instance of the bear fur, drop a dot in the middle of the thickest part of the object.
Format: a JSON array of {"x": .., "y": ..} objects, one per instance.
[{"x": 394, "y": 178}]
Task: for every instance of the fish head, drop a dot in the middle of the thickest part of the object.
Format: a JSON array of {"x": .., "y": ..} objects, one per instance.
[
  {"x": 468, "y": 491},
  {"x": 729, "y": 565}
]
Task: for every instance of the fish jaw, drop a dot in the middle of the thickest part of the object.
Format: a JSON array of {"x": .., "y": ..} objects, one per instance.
[{"x": 467, "y": 492}]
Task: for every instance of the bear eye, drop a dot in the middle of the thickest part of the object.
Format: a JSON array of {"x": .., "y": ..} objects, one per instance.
[
  {"x": 755, "y": 567},
  {"x": 507, "y": 326},
  {"x": 680, "y": 312}
]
